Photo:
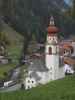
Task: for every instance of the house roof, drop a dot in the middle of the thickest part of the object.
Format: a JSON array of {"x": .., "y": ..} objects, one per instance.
[
  {"x": 67, "y": 46},
  {"x": 69, "y": 60}
]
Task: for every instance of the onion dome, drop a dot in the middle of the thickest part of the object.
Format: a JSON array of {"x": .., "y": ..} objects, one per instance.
[{"x": 52, "y": 29}]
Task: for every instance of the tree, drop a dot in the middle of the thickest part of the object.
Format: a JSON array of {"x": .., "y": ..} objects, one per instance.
[
  {"x": 73, "y": 9},
  {"x": 31, "y": 17},
  {"x": 4, "y": 39}
]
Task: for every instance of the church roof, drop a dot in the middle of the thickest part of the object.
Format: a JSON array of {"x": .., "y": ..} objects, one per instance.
[
  {"x": 37, "y": 64},
  {"x": 52, "y": 29},
  {"x": 35, "y": 76}
]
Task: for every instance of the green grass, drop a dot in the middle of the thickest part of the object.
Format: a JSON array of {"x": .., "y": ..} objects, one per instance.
[
  {"x": 14, "y": 54},
  {"x": 5, "y": 68},
  {"x": 14, "y": 51},
  {"x": 58, "y": 90}
]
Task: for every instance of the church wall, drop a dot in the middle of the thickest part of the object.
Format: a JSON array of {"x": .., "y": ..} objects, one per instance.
[
  {"x": 52, "y": 61},
  {"x": 73, "y": 44},
  {"x": 45, "y": 77},
  {"x": 61, "y": 73}
]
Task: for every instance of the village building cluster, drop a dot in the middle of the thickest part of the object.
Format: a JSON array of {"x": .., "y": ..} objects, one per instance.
[
  {"x": 51, "y": 66},
  {"x": 52, "y": 63}
]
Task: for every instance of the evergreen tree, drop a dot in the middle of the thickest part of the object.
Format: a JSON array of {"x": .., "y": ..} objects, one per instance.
[
  {"x": 73, "y": 9},
  {"x": 31, "y": 17}
]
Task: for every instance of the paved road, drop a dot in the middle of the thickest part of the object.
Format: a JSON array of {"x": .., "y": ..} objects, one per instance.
[{"x": 12, "y": 88}]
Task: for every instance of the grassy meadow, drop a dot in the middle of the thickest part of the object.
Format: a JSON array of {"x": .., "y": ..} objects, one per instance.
[
  {"x": 57, "y": 90},
  {"x": 14, "y": 52}
]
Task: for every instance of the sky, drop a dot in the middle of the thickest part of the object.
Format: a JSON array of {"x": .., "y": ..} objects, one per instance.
[{"x": 67, "y": 1}]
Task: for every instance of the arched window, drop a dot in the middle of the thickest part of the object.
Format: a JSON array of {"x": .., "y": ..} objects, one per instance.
[{"x": 50, "y": 50}]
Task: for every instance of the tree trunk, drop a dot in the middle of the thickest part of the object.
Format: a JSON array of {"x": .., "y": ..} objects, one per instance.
[{"x": 27, "y": 39}]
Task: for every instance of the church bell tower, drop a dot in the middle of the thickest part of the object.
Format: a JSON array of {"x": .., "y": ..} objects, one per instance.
[{"x": 52, "y": 52}]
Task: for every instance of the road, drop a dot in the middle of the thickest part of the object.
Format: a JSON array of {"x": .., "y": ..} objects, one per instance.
[{"x": 12, "y": 88}]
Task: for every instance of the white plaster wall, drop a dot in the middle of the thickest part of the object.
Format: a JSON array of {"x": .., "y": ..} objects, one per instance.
[
  {"x": 50, "y": 39},
  {"x": 61, "y": 73},
  {"x": 73, "y": 44},
  {"x": 44, "y": 77},
  {"x": 68, "y": 69},
  {"x": 52, "y": 62},
  {"x": 56, "y": 71}
]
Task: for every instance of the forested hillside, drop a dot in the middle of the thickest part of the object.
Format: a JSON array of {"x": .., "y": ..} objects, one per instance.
[
  {"x": 25, "y": 14},
  {"x": 31, "y": 17},
  {"x": 22, "y": 14}
]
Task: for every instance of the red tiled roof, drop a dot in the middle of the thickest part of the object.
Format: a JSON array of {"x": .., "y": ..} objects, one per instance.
[
  {"x": 69, "y": 61},
  {"x": 52, "y": 30}
]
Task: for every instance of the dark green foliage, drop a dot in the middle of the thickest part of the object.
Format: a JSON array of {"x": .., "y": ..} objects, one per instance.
[
  {"x": 73, "y": 10},
  {"x": 31, "y": 17},
  {"x": 4, "y": 39}
]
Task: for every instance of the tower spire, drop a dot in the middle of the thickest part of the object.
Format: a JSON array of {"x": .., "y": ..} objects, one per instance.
[
  {"x": 52, "y": 29},
  {"x": 52, "y": 23}
]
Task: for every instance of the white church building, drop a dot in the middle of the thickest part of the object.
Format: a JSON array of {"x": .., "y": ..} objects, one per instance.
[{"x": 48, "y": 68}]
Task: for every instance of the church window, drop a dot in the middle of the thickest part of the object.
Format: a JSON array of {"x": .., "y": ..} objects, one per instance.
[
  {"x": 50, "y": 38},
  {"x": 53, "y": 38},
  {"x": 61, "y": 61},
  {"x": 50, "y": 50}
]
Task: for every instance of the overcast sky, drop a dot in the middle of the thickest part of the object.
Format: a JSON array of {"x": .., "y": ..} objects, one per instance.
[{"x": 68, "y": 2}]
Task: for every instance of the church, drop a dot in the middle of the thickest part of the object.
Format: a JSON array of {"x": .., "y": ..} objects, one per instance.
[{"x": 45, "y": 69}]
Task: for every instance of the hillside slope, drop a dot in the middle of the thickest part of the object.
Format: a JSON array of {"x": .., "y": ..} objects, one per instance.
[
  {"x": 11, "y": 34},
  {"x": 58, "y": 90}
]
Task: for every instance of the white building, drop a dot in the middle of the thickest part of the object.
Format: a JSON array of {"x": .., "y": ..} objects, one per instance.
[
  {"x": 43, "y": 71},
  {"x": 68, "y": 69},
  {"x": 52, "y": 53}
]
